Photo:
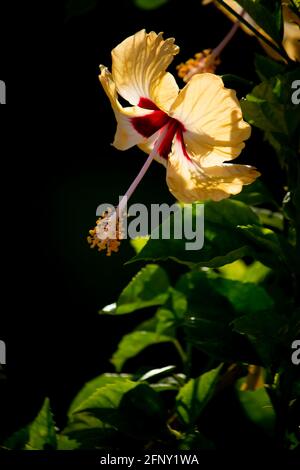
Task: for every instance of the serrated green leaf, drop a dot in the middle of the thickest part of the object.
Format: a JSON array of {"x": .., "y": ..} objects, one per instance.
[
  {"x": 106, "y": 401},
  {"x": 194, "y": 396},
  {"x": 93, "y": 385},
  {"x": 89, "y": 432},
  {"x": 135, "y": 342},
  {"x": 148, "y": 288},
  {"x": 42, "y": 434}
]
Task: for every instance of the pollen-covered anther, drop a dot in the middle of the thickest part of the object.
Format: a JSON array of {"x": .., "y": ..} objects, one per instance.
[
  {"x": 107, "y": 234},
  {"x": 203, "y": 62}
]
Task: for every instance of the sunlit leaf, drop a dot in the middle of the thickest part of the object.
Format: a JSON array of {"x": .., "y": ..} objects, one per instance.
[
  {"x": 93, "y": 385},
  {"x": 42, "y": 431}
]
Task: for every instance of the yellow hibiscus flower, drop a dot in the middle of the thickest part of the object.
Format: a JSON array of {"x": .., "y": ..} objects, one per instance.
[{"x": 192, "y": 131}]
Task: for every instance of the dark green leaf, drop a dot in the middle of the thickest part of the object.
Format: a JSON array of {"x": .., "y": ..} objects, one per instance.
[
  {"x": 213, "y": 303},
  {"x": 150, "y": 4},
  {"x": 257, "y": 407},
  {"x": 142, "y": 413},
  {"x": 267, "y": 14},
  {"x": 267, "y": 68},
  {"x": 269, "y": 105},
  {"x": 149, "y": 287},
  {"x": 265, "y": 331},
  {"x": 255, "y": 194},
  {"x": 133, "y": 343},
  {"x": 194, "y": 396}
]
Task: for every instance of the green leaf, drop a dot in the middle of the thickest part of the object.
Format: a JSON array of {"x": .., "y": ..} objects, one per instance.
[
  {"x": 213, "y": 304},
  {"x": 18, "y": 440},
  {"x": 138, "y": 243},
  {"x": 265, "y": 331},
  {"x": 150, "y": 4},
  {"x": 64, "y": 443},
  {"x": 89, "y": 432},
  {"x": 240, "y": 271},
  {"x": 267, "y": 14},
  {"x": 223, "y": 241},
  {"x": 266, "y": 243},
  {"x": 269, "y": 106},
  {"x": 194, "y": 396},
  {"x": 257, "y": 407},
  {"x": 93, "y": 385},
  {"x": 245, "y": 297},
  {"x": 255, "y": 194},
  {"x": 149, "y": 287},
  {"x": 133, "y": 343},
  {"x": 130, "y": 407},
  {"x": 106, "y": 401},
  {"x": 267, "y": 68},
  {"x": 142, "y": 413},
  {"x": 42, "y": 434}
]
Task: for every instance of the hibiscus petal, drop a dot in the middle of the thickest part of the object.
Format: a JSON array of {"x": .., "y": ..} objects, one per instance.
[
  {"x": 126, "y": 135},
  {"x": 212, "y": 118},
  {"x": 189, "y": 182},
  {"x": 139, "y": 69}
]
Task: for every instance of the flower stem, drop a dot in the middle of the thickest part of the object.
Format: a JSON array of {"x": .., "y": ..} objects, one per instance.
[
  {"x": 139, "y": 177},
  {"x": 279, "y": 49}
]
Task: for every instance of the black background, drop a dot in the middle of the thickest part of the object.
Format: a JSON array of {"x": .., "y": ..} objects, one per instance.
[{"x": 57, "y": 166}]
